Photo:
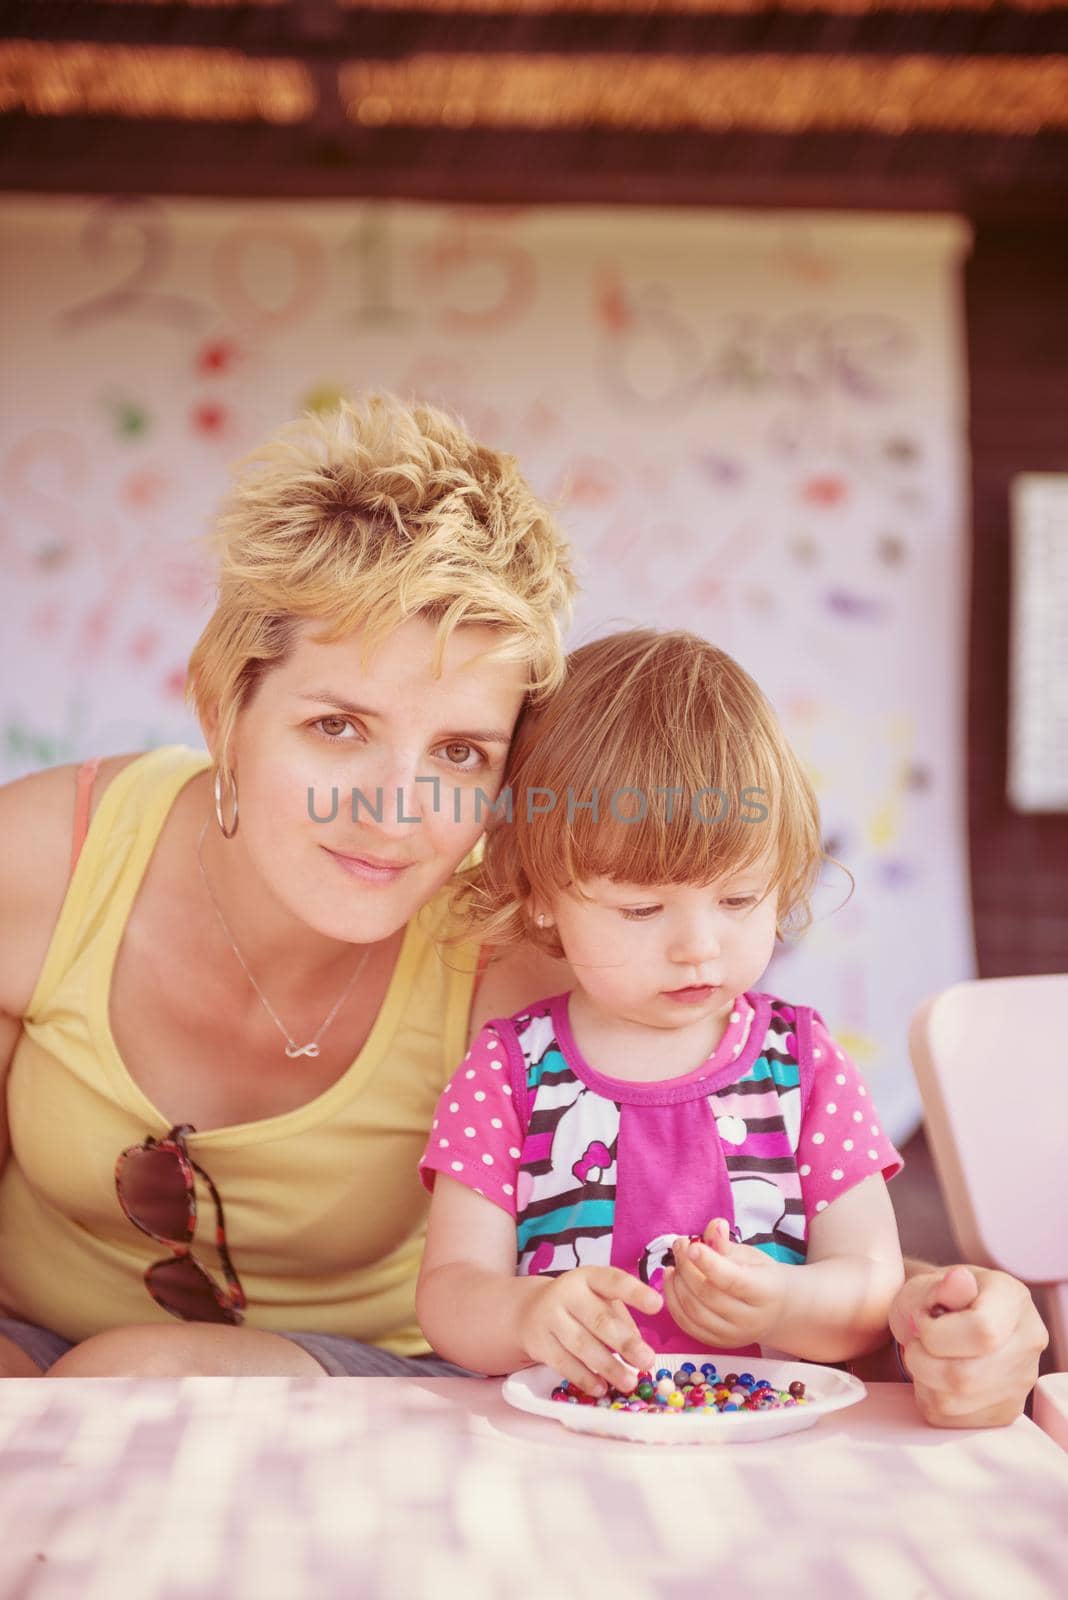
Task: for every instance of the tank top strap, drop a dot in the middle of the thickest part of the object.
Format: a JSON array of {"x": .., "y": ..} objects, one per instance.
[
  {"x": 110, "y": 853},
  {"x": 86, "y": 778}
]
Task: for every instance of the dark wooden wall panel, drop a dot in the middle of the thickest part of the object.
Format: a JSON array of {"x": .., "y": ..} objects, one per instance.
[{"x": 1017, "y": 310}]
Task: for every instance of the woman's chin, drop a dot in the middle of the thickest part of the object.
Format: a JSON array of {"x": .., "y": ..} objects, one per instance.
[{"x": 369, "y": 914}]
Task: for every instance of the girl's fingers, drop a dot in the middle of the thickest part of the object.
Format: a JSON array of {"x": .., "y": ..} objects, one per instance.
[
  {"x": 629, "y": 1342},
  {"x": 689, "y": 1310},
  {"x": 568, "y": 1365},
  {"x": 691, "y": 1277},
  {"x": 610, "y": 1321},
  {"x": 599, "y": 1357},
  {"x": 701, "y": 1265},
  {"x": 612, "y": 1283},
  {"x": 718, "y": 1235}
]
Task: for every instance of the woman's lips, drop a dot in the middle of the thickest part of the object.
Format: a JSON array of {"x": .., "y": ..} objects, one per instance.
[
  {"x": 693, "y": 995},
  {"x": 369, "y": 869}
]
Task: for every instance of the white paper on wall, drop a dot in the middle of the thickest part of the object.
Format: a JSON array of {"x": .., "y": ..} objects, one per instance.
[
  {"x": 1038, "y": 674},
  {"x": 753, "y": 425}
]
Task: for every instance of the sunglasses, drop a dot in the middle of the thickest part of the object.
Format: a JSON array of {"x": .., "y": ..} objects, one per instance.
[{"x": 156, "y": 1187}]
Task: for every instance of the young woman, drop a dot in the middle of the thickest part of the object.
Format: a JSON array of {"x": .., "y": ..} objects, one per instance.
[{"x": 239, "y": 979}]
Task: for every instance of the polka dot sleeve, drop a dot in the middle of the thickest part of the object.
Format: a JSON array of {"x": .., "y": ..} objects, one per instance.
[
  {"x": 842, "y": 1140},
  {"x": 475, "y": 1136}
]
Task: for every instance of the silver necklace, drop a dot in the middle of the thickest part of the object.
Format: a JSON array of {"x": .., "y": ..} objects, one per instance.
[{"x": 293, "y": 1049}]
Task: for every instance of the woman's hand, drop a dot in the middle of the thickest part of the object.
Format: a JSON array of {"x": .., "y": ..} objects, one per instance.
[
  {"x": 725, "y": 1294},
  {"x": 579, "y": 1321},
  {"x": 971, "y": 1339}
]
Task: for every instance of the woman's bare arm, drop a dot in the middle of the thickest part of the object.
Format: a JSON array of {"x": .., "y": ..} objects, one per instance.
[
  {"x": 516, "y": 980},
  {"x": 36, "y": 824}
]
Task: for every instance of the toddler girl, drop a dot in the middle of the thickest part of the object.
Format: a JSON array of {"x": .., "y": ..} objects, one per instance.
[{"x": 662, "y": 836}]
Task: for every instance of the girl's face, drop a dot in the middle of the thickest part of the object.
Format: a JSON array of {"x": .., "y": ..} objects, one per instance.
[
  {"x": 671, "y": 956},
  {"x": 415, "y": 747}
]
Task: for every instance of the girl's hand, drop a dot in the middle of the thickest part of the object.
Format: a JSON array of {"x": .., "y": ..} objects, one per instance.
[
  {"x": 579, "y": 1322},
  {"x": 726, "y": 1294}
]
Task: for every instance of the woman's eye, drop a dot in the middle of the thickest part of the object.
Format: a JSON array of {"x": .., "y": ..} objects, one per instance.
[
  {"x": 458, "y": 755},
  {"x": 326, "y": 725},
  {"x": 639, "y": 913},
  {"x": 738, "y": 902}
]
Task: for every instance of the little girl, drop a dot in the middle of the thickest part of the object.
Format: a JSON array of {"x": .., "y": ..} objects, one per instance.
[{"x": 662, "y": 836}]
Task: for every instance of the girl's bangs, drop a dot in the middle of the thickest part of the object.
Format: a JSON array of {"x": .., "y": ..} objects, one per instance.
[{"x": 688, "y": 848}]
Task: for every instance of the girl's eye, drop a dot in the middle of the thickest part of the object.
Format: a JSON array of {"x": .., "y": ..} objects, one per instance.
[
  {"x": 323, "y": 725},
  {"x": 639, "y": 913},
  {"x": 457, "y": 754},
  {"x": 737, "y": 902}
]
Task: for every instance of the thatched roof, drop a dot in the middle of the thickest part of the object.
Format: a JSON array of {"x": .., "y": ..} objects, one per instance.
[{"x": 935, "y": 99}]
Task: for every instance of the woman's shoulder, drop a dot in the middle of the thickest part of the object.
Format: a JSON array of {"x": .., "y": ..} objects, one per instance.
[
  {"x": 36, "y": 827},
  {"x": 515, "y": 981}
]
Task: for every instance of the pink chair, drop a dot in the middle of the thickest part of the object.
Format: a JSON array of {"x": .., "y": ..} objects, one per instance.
[
  {"x": 1051, "y": 1406},
  {"x": 991, "y": 1060}
]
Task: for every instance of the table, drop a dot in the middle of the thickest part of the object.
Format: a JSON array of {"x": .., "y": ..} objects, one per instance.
[
  {"x": 1051, "y": 1406},
  {"x": 256, "y": 1488}
]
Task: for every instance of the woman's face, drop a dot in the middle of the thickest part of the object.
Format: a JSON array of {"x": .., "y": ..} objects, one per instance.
[{"x": 415, "y": 761}]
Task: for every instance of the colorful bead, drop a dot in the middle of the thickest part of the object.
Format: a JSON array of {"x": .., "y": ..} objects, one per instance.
[{"x": 689, "y": 1391}]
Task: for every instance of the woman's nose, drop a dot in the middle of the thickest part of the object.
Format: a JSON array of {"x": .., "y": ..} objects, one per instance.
[{"x": 394, "y": 802}]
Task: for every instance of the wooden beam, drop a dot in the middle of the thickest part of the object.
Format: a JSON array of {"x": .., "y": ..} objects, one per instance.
[
  {"x": 373, "y": 33},
  {"x": 980, "y": 175}
]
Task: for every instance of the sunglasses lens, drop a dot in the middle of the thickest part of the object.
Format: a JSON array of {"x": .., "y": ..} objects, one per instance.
[
  {"x": 153, "y": 1190},
  {"x": 185, "y": 1290}
]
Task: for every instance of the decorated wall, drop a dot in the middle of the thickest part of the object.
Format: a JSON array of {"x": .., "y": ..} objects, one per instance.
[{"x": 752, "y": 424}]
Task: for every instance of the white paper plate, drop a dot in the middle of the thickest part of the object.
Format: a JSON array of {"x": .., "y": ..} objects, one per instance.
[{"x": 826, "y": 1390}]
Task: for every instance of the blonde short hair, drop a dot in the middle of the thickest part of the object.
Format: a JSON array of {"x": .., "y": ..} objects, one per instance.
[
  {"x": 639, "y": 714},
  {"x": 363, "y": 517}
]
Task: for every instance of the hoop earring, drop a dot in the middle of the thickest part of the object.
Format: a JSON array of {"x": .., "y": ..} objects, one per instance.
[{"x": 226, "y": 832}]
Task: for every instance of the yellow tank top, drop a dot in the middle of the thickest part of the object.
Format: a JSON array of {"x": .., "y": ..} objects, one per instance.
[{"x": 325, "y": 1214}]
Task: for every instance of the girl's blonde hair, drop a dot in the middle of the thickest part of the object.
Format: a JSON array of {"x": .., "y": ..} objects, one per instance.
[
  {"x": 642, "y": 714},
  {"x": 361, "y": 518}
]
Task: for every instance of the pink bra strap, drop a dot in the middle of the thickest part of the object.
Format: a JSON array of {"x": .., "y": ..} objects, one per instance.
[{"x": 86, "y": 774}]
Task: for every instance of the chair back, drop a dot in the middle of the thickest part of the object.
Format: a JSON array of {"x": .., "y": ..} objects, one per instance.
[{"x": 991, "y": 1061}]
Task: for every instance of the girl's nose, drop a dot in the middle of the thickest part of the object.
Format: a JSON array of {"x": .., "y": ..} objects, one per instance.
[{"x": 695, "y": 943}]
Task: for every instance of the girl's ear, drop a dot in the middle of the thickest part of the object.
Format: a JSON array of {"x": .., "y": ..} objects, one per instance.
[{"x": 538, "y": 912}]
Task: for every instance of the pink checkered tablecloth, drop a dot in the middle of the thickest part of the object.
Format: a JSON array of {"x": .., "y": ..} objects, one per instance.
[{"x": 255, "y": 1488}]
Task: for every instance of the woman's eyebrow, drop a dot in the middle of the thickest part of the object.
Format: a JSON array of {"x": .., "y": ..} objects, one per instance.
[{"x": 328, "y": 696}]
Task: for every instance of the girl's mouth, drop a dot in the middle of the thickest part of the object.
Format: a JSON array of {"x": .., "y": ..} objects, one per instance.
[{"x": 693, "y": 995}]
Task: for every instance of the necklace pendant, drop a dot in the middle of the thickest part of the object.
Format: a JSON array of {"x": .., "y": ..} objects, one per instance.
[{"x": 294, "y": 1050}]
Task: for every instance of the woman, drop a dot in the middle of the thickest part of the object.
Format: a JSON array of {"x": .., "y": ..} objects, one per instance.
[{"x": 240, "y": 978}]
